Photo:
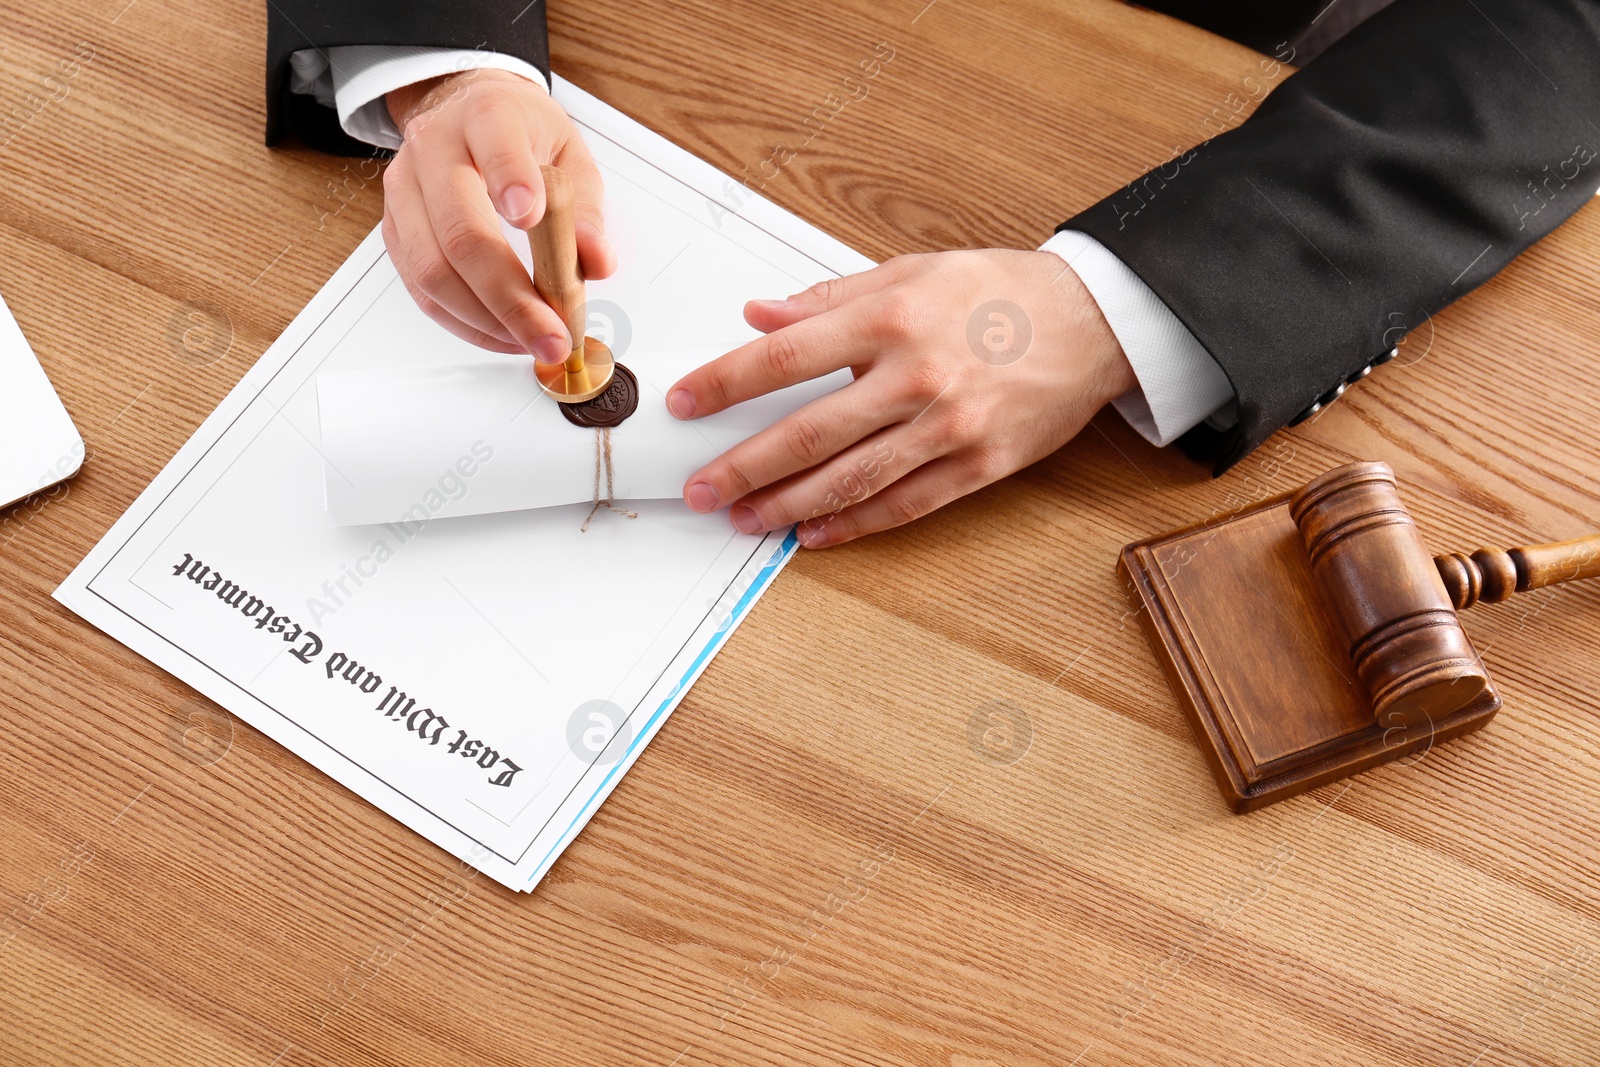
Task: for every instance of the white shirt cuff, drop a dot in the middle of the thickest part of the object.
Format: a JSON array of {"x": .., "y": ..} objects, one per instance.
[
  {"x": 1180, "y": 384},
  {"x": 354, "y": 79}
]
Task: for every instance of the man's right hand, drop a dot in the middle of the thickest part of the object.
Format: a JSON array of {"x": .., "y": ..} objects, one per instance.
[{"x": 473, "y": 145}]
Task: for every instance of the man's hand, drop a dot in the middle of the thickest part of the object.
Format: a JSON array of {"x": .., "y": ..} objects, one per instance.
[
  {"x": 474, "y": 142},
  {"x": 968, "y": 366}
]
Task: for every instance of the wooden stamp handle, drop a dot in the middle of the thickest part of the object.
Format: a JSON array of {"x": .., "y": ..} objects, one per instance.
[
  {"x": 556, "y": 275},
  {"x": 1493, "y": 574}
]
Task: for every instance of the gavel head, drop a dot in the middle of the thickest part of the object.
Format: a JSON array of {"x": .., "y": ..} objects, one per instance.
[{"x": 1384, "y": 590}]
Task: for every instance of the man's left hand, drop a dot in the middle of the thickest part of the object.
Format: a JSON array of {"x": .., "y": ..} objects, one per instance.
[{"x": 968, "y": 366}]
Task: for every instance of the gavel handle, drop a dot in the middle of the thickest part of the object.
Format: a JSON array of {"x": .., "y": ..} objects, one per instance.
[{"x": 1493, "y": 574}]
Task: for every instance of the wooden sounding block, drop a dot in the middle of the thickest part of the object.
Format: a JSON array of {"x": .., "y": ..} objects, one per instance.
[{"x": 1311, "y": 636}]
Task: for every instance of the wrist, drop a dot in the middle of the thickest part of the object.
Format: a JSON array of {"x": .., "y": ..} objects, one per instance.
[
  {"x": 1113, "y": 372},
  {"x": 409, "y": 101},
  {"x": 1118, "y": 378},
  {"x": 402, "y": 102}
]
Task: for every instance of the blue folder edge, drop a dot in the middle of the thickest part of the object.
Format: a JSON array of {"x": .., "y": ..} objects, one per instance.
[{"x": 764, "y": 576}]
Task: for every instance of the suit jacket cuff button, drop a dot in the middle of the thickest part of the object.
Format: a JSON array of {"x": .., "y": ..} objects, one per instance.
[{"x": 1316, "y": 406}]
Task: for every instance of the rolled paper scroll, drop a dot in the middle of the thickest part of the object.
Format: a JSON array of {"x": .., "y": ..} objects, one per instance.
[{"x": 412, "y": 443}]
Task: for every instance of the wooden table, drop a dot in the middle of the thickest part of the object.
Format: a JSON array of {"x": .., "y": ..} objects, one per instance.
[{"x": 963, "y": 823}]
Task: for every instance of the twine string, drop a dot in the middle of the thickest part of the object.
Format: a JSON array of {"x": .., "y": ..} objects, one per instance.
[{"x": 602, "y": 462}]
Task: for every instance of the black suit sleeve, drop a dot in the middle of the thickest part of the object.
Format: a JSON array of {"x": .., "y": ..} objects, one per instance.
[
  {"x": 1411, "y": 161},
  {"x": 512, "y": 27}
]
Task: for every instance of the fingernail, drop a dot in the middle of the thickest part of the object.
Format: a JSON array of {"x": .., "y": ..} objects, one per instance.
[
  {"x": 516, "y": 202},
  {"x": 812, "y": 536},
  {"x": 551, "y": 348},
  {"x": 773, "y": 305},
  {"x": 745, "y": 519},
  {"x": 702, "y": 497},
  {"x": 681, "y": 403}
]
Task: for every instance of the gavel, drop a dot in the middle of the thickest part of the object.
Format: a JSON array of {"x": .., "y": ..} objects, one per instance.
[
  {"x": 1397, "y": 606},
  {"x": 559, "y": 279}
]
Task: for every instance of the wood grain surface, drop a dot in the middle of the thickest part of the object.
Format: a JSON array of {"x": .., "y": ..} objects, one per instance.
[{"x": 934, "y": 804}]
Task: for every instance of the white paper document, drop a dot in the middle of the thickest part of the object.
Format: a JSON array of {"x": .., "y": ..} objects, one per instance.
[{"x": 427, "y": 620}]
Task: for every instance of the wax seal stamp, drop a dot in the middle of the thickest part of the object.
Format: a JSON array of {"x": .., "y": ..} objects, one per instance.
[{"x": 618, "y": 400}]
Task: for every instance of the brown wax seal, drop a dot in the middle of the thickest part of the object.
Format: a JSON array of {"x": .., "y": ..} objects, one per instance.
[{"x": 619, "y": 400}]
